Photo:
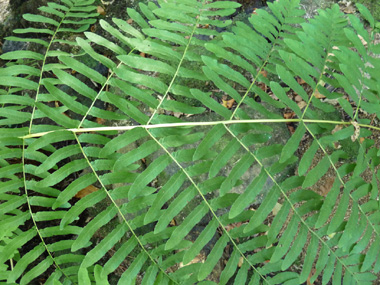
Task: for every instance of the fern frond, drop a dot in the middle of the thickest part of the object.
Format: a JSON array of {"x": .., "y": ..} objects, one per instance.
[{"x": 21, "y": 166}]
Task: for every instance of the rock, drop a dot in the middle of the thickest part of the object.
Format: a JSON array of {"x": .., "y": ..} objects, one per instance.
[
  {"x": 9, "y": 46},
  {"x": 4, "y": 10},
  {"x": 372, "y": 6},
  {"x": 311, "y": 6}
]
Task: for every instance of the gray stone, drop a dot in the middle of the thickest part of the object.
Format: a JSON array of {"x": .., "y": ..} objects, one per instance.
[
  {"x": 4, "y": 10},
  {"x": 9, "y": 46},
  {"x": 311, "y": 6}
]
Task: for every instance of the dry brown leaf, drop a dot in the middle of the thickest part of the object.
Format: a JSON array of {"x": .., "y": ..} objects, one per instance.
[
  {"x": 298, "y": 98},
  {"x": 289, "y": 115},
  {"x": 100, "y": 10},
  {"x": 276, "y": 209},
  {"x": 177, "y": 114},
  {"x": 228, "y": 103},
  {"x": 200, "y": 258},
  {"x": 308, "y": 282},
  {"x": 356, "y": 134},
  {"x": 337, "y": 128},
  {"x": 363, "y": 40},
  {"x": 86, "y": 191},
  {"x": 337, "y": 145},
  {"x": 273, "y": 96},
  {"x": 326, "y": 187},
  {"x": 350, "y": 9},
  {"x": 264, "y": 73},
  {"x": 232, "y": 226},
  {"x": 301, "y": 104},
  {"x": 241, "y": 261},
  {"x": 300, "y": 81},
  {"x": 291, "y": 129},
  {"x": 100, "y": 121},
  {"x": 318, "y": 95},
  {"x": 263, "y": 86},
  {"x": 330, "y": 54}
]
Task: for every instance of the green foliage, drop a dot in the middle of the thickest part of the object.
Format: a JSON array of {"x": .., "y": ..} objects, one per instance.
[{"x": 150, "y": 166}]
